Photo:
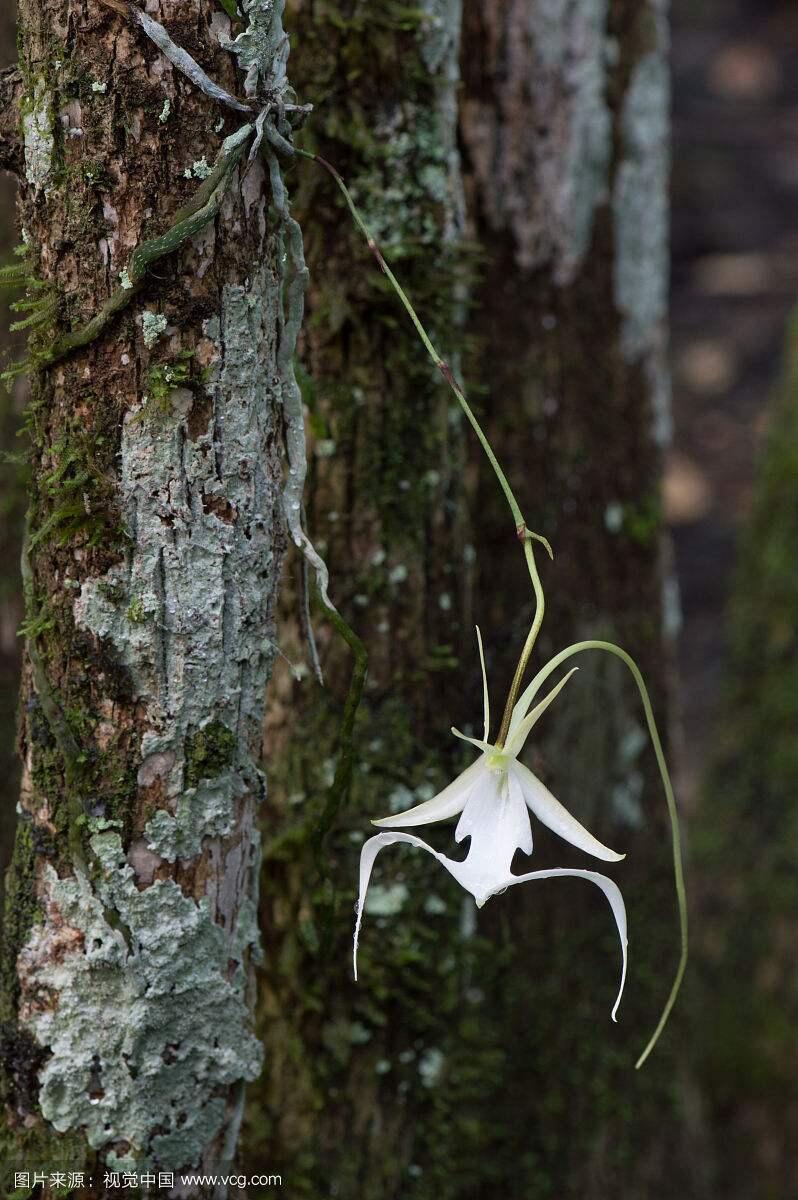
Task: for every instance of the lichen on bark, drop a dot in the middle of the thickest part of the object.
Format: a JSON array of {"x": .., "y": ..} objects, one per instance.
[
  {"x": 196, "y": 652},
  {"x": 152, "y": 610},
  {"x": 147, "y": 1086}
]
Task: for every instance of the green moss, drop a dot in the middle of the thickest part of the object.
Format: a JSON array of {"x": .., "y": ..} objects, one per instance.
[
  {"x": 21, "y": 911},
  {"x": 135, "y": 611},
  {"x": 209, "y": 752},
  {"x": 38, "y": 1148},
  {"x": 39, "y": 307},
  {"x": 76, "y": 492},
  {"x": 643, "y": 521},
  {"x": 162, "y": 381}
]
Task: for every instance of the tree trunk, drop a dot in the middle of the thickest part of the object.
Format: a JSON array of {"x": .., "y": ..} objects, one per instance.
[
  {"x": 385, "y": 501},
  {"x": 565, "y": 129},
  {"x": 463, "y": 1063},
  {"x": 13, "y": 480},
  {"x": 154, "y": 546}
]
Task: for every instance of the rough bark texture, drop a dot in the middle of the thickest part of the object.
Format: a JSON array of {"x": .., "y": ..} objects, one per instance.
[
  {"x": 11, "y": 88},
  {"x": 476, "y": 1056},
  {"x": 12, "y": 504},
  {"x": 155, "y": 545}
]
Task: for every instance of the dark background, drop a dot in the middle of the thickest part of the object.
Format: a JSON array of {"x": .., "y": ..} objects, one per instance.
[{"x": 734, "y": 284}]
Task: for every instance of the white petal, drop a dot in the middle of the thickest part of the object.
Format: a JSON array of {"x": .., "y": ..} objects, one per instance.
[
  {"x": 368, "y": 854},
  {"x": 496, "y": 820},
  {"x": 557, "y": 818},
  {"x": 447, "y": 803},
  {"x": 485, "y": 747},
  {"x": 495, "y": 814},
  {"x": 515, "y": 743},
  {"x": 610, "y": 890}
]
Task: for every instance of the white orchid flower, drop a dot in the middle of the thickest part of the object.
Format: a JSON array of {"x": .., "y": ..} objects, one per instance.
[{"x": 494, "y": 797}]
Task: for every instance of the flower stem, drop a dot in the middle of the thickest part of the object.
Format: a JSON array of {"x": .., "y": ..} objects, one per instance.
[
  {"x": 537, "y": 621},
  {"x": 678, "y": 869}
]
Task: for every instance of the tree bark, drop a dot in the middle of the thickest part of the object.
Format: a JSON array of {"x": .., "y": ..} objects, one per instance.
[
  {"x": 154, "y": 548},
  {"x": 13, "y": 478},
  {"x": 386, "y": 502},
  {"x": 476, "y": 1054},
  {"x": 565, "y": 129},
  {"x": 11, "y": 153}
]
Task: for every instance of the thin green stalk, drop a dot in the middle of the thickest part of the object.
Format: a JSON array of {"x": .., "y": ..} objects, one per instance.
[
  {"x": 678, "y": 871},
  {"x": 537, "y": 621}
]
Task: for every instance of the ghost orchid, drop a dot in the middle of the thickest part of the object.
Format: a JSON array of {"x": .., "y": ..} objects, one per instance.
[{"x": 494, "y": 797}]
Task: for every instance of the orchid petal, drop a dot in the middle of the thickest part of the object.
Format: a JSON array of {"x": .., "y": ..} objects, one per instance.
[
  {"x": 521, "y": 706},
  {"x": 493, "y": 815},
  {"x": 610, "y": 890},
  {"x": 368, "y": 854},
  {"x": 485, "y": 747},
  {"x": 556, "y": 817},
  {"x": 485, "y": 696},
  {"x": 517, "y": 739},
  {"x": 447, "y": 803},
  {"x": 497, "y": 822}
]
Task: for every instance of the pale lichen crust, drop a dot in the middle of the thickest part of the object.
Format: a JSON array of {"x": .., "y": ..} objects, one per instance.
[
  {"x": 187, "y": 609},
  {"x": 140, "y": 998}
]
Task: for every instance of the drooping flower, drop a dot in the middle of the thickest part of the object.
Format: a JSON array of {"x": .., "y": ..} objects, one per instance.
[{"x": 494, "y": 797}]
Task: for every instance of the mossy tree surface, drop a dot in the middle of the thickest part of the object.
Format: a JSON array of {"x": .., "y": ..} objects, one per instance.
[
  {"x": 744, "y": 843},
  {"x": 476, "y": 1054},
  {"x": 12, "y": 504},
  {"x": 354, "y": 1071},
  {"x": 154, "y": 554}
]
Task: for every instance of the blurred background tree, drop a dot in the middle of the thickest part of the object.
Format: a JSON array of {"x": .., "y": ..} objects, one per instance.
[{"x": 732, "y": 496}]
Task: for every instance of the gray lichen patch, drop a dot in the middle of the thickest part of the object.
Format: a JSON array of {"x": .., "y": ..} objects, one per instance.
[
  {"x": 640, "y": 206},
  {"x": 200, "y": 573},
  {"x": 139, "y": 997},
  {"x": 153, "y": 326},
  {"x": 37, "y": 130},
  {"x": 258, "y": 49},
  {"x": 203, "y": 811},
  {"x": 553, "y": 125}
]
